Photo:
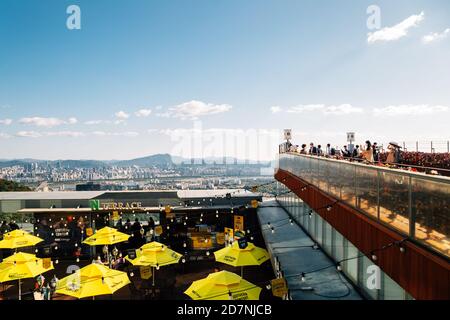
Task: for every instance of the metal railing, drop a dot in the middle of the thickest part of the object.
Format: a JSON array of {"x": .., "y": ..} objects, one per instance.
[{"x": 414, "y": 204}]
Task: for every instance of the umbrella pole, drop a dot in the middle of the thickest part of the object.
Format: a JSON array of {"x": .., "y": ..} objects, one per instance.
[
  {"x": 242, "y": 271},
  {"x": 153, "y": 277},
  {"x": 20, "y": 290}
]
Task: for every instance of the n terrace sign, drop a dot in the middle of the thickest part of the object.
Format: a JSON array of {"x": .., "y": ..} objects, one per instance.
[{"x": 95, "y": 205}]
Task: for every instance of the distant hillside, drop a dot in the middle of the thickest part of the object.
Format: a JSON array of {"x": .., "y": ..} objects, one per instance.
[
  {"x": 154, "y": 160},
  {"x": 6, "y": 185},
  {"x": 67, "y": 164}
]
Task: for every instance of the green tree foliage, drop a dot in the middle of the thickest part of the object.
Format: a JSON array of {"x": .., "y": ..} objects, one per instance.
[{"x": 6, "y": 185}]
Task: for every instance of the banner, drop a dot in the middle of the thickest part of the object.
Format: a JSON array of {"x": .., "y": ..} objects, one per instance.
[
  {"x": 146, "y": 272},
  {"x": 279, "y": 287},
  {"x": 46, "y": 263},
  {"x": 158, "y": 231},
  {"x": 220, "y": 238},
  {"x": 115, "y": 215},
  {"x": 238, "y": 223},
  {"x": 229, "y": 234},
  {"x": 89, "y": 232}
]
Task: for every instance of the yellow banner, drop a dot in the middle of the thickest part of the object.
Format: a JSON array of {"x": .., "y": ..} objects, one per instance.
[
  {"x": 46, "y": 263},
  {"x": 115, "y": 215},
  {"x": 220, "y": 238},
  {"x": 146, "y": 272},
  {"x": 230, "y": 233},
  {"x": 89, "y": 232},
  {"x": 238, "y": 223},
  {"x": 279, "y": 287},
  {"x": 158, "y": 231}
]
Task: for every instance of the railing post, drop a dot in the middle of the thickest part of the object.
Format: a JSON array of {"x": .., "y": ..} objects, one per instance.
[
  {"x": 448, "y": 146},
  {"x": 412, "y": 218},
  {"x": 378, "y": 193},
  {"x": 417, "y": 146}
]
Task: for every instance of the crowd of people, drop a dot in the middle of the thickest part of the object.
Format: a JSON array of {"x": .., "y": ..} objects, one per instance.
[{"x": 372, "y": 153}]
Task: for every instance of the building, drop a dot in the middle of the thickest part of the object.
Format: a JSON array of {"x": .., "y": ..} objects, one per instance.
[
  {"x": 373, "y": 220},
  {"x": 65, "y": 219}
]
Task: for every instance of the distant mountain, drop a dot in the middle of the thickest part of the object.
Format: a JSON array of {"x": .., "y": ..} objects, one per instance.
[
  {"x": 162, "y": 160},
  {"x": 150, "y": 161},
  {"x": 67, "y": 164}
]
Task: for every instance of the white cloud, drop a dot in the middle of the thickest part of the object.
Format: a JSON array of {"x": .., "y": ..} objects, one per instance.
[
  {"x": 73, "y": 134},
  {"x": 5, "y": 122},
  {"x": 116, "y": 134},
  {"x": 94, "y": 122},
  {"x": 342, "y": 109},
  {"x": 121, "y": 115},
  {"x": 72, "y": 120},
  {"x": 436, "y": 36},
  {"x": 143, "y": 113},
  {"x": 4, "y": 135},
  {"x": 46, "y": 122},
  {"x": 275, "y": 109},
  {"x": 396, "y": 32},
  {"x": 410, "y": 110},
  {"x": 28, "y": 134},
  {"x": 194, "y": 109}
]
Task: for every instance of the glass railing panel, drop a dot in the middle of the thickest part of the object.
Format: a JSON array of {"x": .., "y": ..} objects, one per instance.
[
  {"x": 334, "y": 176},
  {"x": 322, "y": 175},
  {"x": 347, "y": 180},
  {"x": 394, "y": 200},
  {"x": 431, "y": 209},
  {"x": 367, "y": 190}
]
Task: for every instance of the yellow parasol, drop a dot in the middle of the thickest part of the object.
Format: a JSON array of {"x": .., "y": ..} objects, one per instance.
[
  {"x": 21, "y": 266},
  {"x": 237, "y": 257},
  {"x": 156, "y": 255},
  {"x": 223, "y": 285},
  {"x": 18, "y": 239},
  {"x": 106, "y": 236},
  {"x": 92, "y": 280}
]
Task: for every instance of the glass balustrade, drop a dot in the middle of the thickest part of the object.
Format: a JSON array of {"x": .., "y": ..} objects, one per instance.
[{"x": 414, "y": 204}]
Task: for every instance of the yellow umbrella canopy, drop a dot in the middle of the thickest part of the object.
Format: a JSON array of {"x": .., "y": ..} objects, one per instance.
[
  {"x": 154, "y": 254},
  {"x": 236, "y": 257},
  {"x": 106, "y": 236},
  {"x": 22, "y": 265},
  {"x": 220, "y": 285},
  {"x": 92, "y": 280},
  {"x": 18, "y": 239}
]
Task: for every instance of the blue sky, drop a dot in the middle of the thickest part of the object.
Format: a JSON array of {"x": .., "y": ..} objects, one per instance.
[{"x": 254, "y": 66}]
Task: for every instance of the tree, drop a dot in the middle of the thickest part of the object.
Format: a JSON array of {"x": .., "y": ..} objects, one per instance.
[{"x": 6, "y": 185}]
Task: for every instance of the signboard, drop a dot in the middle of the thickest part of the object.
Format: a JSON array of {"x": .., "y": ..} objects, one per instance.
[
  {"x": 350, "y": 137},
  {"x": 121, "y": 206},
  {"x": 146, "y": 272},
  {"x": 94, "y": 204},
  {"x": 238, "y": 223},
  {"x": 201, "y": 242},
  {"x": 287, "y": 134},
  {"x": 279, "y": 287},
  {"x": 242, "y": 242}
]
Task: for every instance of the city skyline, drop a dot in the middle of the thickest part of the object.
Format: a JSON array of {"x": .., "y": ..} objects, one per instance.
[{"x": 123, "y": 88}]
